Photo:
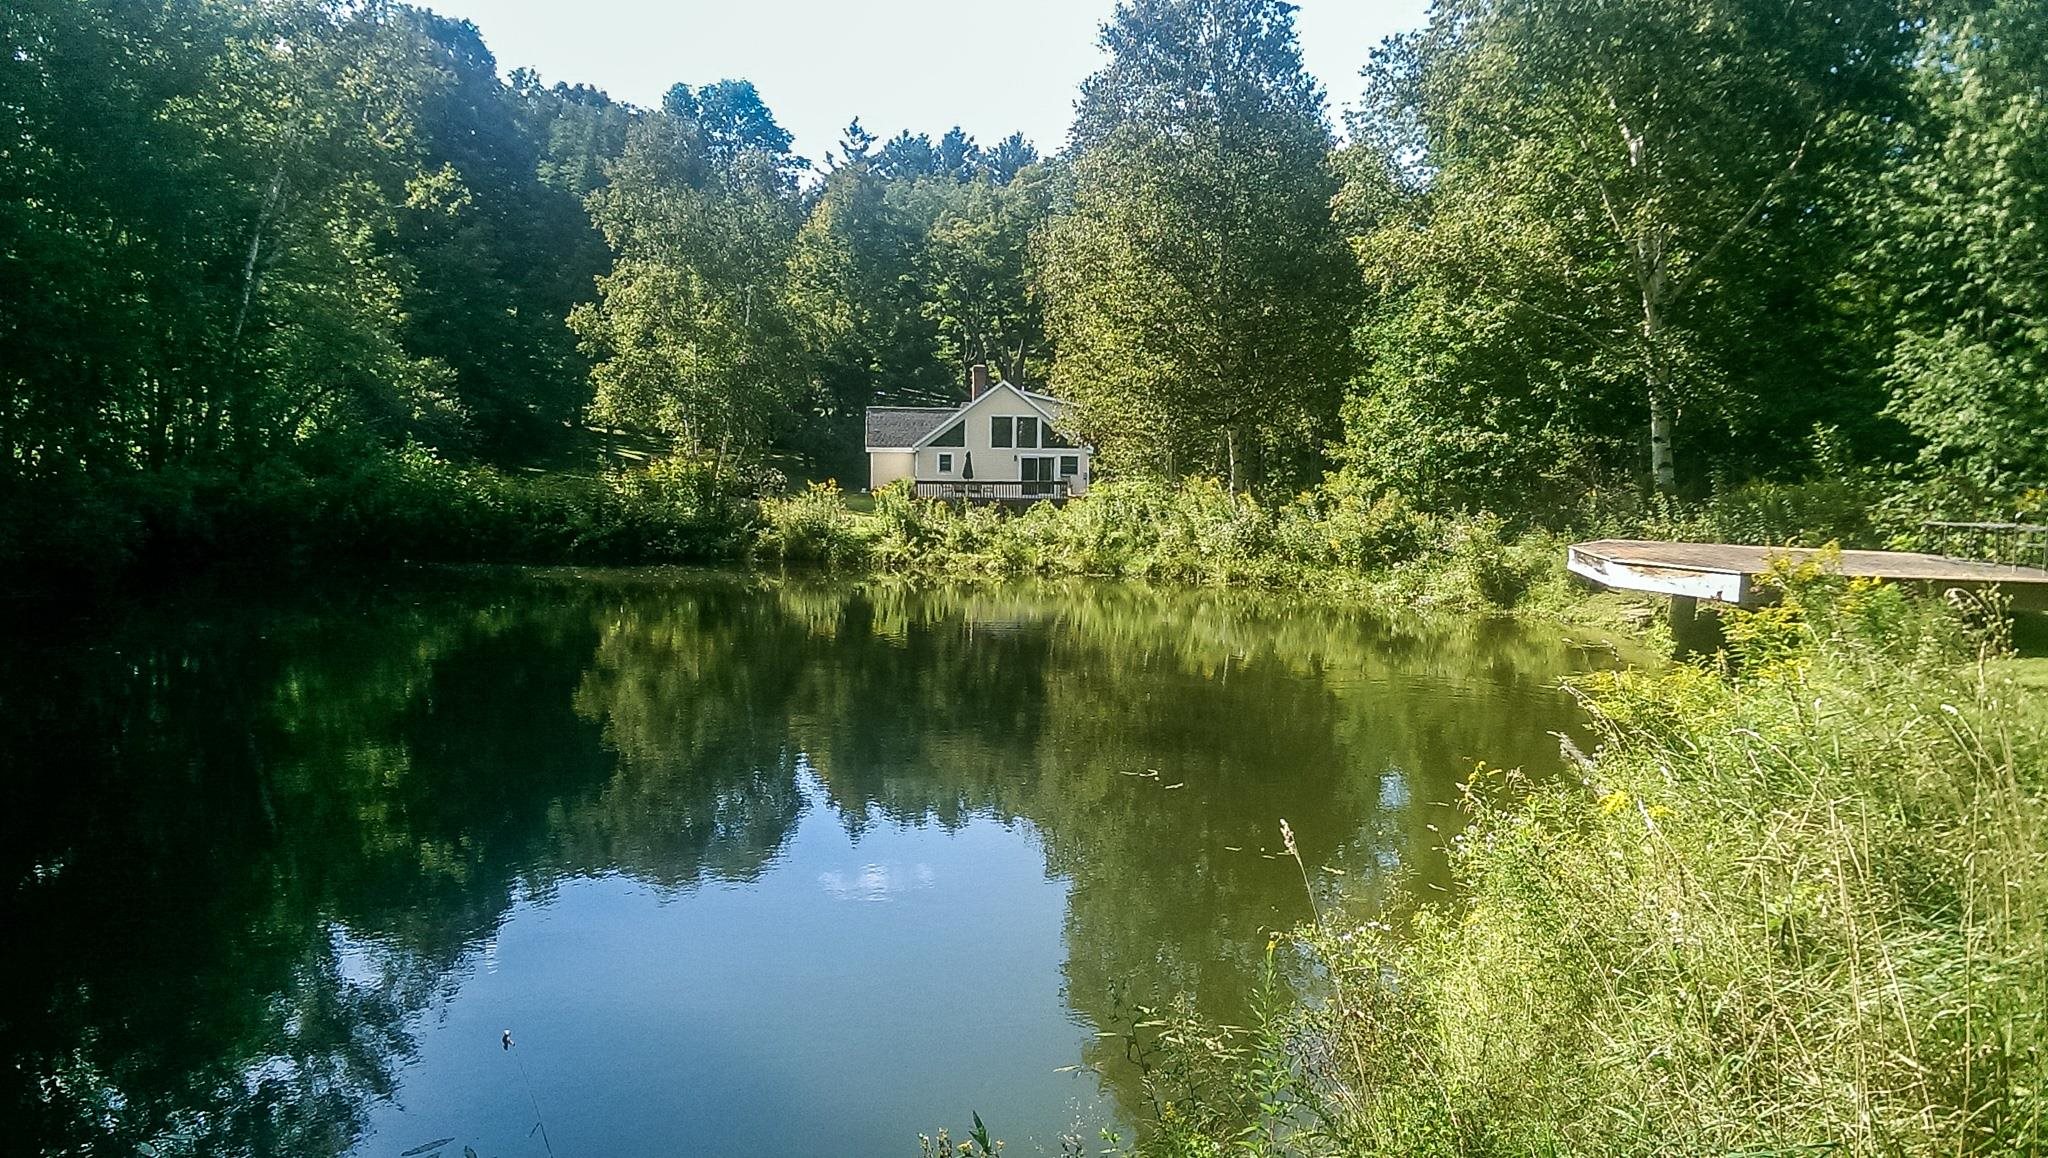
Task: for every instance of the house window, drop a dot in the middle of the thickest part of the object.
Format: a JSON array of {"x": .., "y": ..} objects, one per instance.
[
  {"x": 1070, "y": 465},
  {"x": 945, "y": 464},
  {"x": 1048, "y": 437},
  {"x": 999, "y": 431},
  {"x": 1027, "y": 432},
  {"x": 954, "y": 435}
]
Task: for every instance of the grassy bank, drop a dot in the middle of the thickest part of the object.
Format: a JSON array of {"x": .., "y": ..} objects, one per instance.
[
  {"x": 1338, "y": 538},
  {"x": 1331, "y": 540},
  {"x": 1797, "y": 909}
]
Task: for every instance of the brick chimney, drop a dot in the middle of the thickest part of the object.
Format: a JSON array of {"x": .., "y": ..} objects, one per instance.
[{"x": 977, "y": 380}]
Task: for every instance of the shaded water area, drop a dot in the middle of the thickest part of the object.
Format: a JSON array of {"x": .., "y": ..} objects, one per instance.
[{"x": 741, "y": 864}]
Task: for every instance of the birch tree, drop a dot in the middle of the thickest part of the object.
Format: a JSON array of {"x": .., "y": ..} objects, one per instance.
[{"x": 1669, "y": 135}]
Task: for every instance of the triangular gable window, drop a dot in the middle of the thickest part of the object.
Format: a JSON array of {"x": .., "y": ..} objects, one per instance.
[{"x": 954, "y": 435}]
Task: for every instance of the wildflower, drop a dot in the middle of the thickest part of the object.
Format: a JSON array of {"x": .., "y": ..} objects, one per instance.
[{"x": 1613, "y": 802}]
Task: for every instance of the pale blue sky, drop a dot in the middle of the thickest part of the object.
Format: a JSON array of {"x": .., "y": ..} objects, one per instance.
[{"x": 923, "y": 65}]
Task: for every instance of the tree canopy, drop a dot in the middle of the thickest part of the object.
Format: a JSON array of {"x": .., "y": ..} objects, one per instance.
[{"x": 1561, "y": 252}]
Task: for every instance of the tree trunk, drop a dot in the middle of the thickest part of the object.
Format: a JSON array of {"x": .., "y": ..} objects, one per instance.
[
  {"x": 250, "y": 272},
  {"x": 1230, "y": 450},
  {"x": 1663, "y": 470},
  {"x": 233, "y": 410},
  {"x": 1663, "y": 467}
]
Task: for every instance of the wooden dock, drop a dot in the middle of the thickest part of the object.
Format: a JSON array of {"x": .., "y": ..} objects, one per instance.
[{"x": 1727, "y": 572}]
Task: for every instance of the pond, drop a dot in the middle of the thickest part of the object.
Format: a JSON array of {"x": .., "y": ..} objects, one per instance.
[{"x": 743, "y": 866}]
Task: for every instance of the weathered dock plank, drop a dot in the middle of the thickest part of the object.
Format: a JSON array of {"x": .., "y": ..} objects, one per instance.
[{"x": 1727, "y": 572}]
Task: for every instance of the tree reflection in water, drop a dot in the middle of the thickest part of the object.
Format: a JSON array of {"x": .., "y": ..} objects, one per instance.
[{"x": 249, "y": 844}]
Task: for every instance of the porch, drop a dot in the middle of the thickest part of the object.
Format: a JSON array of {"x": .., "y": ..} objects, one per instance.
[{"x": 964, "y": 490}]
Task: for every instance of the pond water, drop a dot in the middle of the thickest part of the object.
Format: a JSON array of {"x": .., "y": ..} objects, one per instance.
[{"x": 742, "y": 865}]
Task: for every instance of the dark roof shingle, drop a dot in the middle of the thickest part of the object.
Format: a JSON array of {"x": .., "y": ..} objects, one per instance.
[{"x": 900, "y": 426}]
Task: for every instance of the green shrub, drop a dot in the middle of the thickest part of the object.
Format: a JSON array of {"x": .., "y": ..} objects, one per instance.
[
  {"x": 1337, "y": 537},
  {"x": 905, "y": 524},
  {"x": 406, "y": 505},
  {"x": 1772, "y": 514},
  {"x": 811, "y": 526},
  {"x": 58, "y": 533}
]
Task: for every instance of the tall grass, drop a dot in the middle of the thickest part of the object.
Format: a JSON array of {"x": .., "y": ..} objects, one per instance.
[
  {"x": 1334, "y": 538},
  {"x": 1799, "y": 906}
]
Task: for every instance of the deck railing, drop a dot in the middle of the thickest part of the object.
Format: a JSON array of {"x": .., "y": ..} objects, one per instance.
[
  {"x": 2024, "y": 544},
  {"x": 993, "y": 492}
]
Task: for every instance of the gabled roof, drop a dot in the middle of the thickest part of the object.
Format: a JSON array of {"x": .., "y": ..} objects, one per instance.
[
  {"x": 902, "y": 427},
  {"x": 1039, "y": 402},
  {"x": 911, "y": 427}
]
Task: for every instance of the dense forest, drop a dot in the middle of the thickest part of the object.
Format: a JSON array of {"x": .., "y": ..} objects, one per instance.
[{"x": 1565, "y": 261}]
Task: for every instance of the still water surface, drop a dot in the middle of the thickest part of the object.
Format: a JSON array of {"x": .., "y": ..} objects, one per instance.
[{"x": 743, "y": 866}]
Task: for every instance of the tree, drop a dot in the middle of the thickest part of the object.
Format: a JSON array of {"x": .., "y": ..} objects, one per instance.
[
  {"x": 733, "y": 122},
  {"x": 959, "y": 157},
  {"x": 498, "y": 257},
  {"x": 194, "y": 206},
  {"x": 1196, "y": 291},
  {"x": 854, "y": 288},
  {"x": 974, "y": 272},
  {"x": 909, "y": 269},
  {"x": 907, "y": 155},
  {"x": 1011, "y": 156},
  {"x": 1962, "y": 213},
  {"x": 582, "y": 129},
  {"x": 692, "y": 334},
  {"x": 1675, "y": 148}
]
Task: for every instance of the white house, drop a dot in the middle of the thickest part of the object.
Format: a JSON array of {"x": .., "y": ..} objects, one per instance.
[{"x": 1002, "y": 443}]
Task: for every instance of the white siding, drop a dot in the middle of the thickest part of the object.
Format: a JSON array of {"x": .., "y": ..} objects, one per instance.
[
  {"x": 886, "y": 466},
  {"x": 991, "y": 463},
  {"x": 995, "y": 463}
]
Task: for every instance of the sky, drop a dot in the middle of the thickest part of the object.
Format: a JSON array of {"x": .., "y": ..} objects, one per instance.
[{"x": 992, "y": 66}]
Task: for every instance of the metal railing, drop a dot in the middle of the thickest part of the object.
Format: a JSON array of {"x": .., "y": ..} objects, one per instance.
[
  {"x": 2025, "y": 544},
  {"x": 994, "y": 492}
]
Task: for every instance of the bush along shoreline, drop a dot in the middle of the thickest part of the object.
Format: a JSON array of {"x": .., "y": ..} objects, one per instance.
[
  {"x": 414, "y": 507},
  {"x": 1341, "y": 538},
  {"x": 1335, "y": 539},
  {"x": 1795, "y": 906},
  {"x": 409, "y": 506}
]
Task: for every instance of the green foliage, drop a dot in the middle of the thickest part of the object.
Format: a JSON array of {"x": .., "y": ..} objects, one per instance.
[
  {"x": 240, "y": 238},
  {"x": 1805, "y": 514},
  {"x": 1336, "y": 537},
  {"x": 1567, "y": 249},
  {"x": 1196, "y": 290},
  {"x": 1800, "y": 907},
  {"x": 497, "y": 256},
  {"x": 409, "y": 506},
  {"x": 234, "y": 229},
  {"x": 906, "y": 272},
  {"x": 1962, "y": 213},
  {"x": 974, "y": 271},
  {"x": 811, "y": 526},
  {"x": 692, "y": 335}
]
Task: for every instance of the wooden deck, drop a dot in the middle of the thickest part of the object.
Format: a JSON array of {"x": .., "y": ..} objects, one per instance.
[{"x": 1727, "y": 573}]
